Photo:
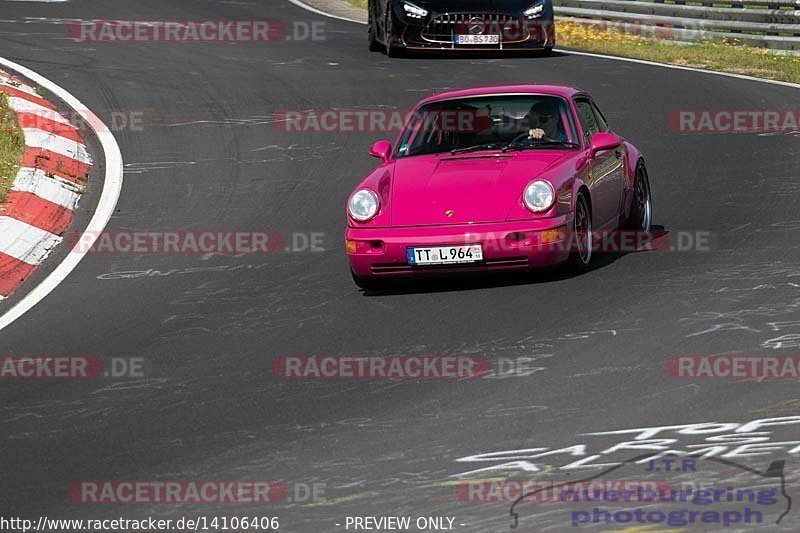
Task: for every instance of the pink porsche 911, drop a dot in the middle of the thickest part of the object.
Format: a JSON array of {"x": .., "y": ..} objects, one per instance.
[{"x": 496, "y": 178}]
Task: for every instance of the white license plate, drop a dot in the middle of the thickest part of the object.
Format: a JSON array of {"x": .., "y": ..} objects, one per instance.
[
  {"x": 477, "y": 39},
  {"x": 445, "y": 255}
]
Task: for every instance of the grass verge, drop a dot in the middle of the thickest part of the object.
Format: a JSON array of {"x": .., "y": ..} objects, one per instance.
[
  {"x": 724, "y": 56},
  {"x": 12, "y": 146}
]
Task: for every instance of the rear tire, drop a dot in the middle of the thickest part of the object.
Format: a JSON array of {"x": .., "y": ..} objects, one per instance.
[
  {"x": 580, "y": 259},
  {"x": 547, "y": 51}
]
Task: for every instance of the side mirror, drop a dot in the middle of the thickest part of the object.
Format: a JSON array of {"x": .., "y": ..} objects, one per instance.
[
  {"x": 381, "y": 150},
  {"x": 602, "y": 142}
]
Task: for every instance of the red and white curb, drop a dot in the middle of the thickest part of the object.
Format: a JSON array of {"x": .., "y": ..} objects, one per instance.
[
  {"x": 45, "y": 193},
  {"x": 106, "y": 205}
]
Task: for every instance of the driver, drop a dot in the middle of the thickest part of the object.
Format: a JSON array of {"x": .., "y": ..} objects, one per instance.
[{"x": 545, "y": 123}]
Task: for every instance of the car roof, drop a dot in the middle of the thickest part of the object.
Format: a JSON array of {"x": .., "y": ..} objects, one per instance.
[{"x": 555, "y": 90}]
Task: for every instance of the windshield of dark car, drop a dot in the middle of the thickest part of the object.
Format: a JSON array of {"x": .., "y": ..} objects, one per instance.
[{"x": 460, "y": 124}]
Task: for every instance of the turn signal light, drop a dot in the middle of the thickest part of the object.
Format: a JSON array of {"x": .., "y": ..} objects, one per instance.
[{"x": 552, "y": 235}]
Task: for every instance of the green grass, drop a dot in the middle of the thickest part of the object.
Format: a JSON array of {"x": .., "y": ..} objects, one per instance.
[
  {"x": 724, "y": 56},
  {"x": 12, "y": 146}
]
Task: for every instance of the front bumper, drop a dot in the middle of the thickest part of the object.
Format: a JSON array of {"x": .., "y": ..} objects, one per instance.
[
  {"x": 438, "y": 31},
  {"x": 383, "y": 252}
]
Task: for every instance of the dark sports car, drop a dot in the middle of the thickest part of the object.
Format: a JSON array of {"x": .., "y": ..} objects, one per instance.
[{"x": 399, "y": 25}]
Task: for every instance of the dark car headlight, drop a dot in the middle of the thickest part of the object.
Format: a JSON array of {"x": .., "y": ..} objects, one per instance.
[
  {"x": 414, "y": 11},
  {"x": 535, "y": 11}
]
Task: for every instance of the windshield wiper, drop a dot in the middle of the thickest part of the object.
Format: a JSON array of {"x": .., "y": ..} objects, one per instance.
[
  {"x": 477, "y": 148},
  {"x": 517, "y": 146},
  {"x": 512, "y": 146}
]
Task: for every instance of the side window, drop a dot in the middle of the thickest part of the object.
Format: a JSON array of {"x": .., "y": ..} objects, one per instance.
[
  {"x": 601, "y": 120},
  {"x": 588, "y": 120}
]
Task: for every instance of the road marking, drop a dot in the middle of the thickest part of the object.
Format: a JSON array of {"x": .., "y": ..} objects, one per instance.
[
  {"x": 112, "y": 188},
  {"x": 307, "y": 7}
]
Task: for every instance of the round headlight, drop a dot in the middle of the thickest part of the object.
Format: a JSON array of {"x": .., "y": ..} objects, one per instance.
[
  {"x": 539, "y": 196},
  {"x": 363, "y": 205}
]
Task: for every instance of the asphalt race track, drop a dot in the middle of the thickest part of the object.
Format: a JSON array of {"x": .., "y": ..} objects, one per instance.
[{"x": 210, "y": 156}]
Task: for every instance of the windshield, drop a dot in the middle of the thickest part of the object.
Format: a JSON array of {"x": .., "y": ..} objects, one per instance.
[{"x": 490, "y": 122}]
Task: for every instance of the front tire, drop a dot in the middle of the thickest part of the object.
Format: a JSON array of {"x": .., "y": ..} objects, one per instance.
[
  {"x": 580, "y": 259},
  {"x": 372, "y": 34},
  {"x": 391, "y": 50},
  {"x": 641, "y": 214}
]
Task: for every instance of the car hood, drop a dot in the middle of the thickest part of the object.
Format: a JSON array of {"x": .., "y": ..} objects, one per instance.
[{"x": 434, "y": 190}]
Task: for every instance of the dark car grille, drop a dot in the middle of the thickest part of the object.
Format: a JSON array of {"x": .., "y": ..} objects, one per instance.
[{"x": 443, "y": 28}]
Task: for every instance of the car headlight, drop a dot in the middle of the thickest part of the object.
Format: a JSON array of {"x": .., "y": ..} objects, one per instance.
[
  {"x": 414, "y": 11},
  {"x": 535, "y": 11},
  {"x": 539, "y": 196},
  {"x": 363, "y": 205}
]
